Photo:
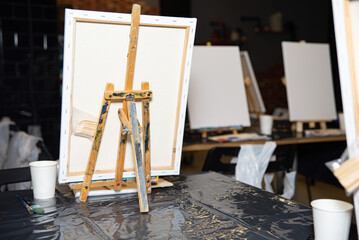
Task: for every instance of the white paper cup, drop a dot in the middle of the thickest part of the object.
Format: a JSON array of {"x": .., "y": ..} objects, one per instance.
[
  {"x": 331, "y": 218},
  {"x": 266, "y": 124},
  {"x": 43, "y": 178}
]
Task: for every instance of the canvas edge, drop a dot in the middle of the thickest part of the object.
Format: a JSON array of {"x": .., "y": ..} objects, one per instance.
[{"x": 254, "y": 81}]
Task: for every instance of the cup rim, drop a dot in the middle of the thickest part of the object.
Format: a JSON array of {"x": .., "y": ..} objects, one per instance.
[
  {"x": 43, "y": 163},
  {"x": 345, "y": 206}
]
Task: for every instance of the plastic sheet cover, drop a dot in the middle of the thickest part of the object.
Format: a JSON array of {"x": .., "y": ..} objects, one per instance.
[{"x": 198, "y": 206}]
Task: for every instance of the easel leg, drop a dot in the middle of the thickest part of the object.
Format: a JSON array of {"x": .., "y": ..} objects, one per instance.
[
  {"x": 146, "y": 137},
  {"x": 120, "y": 163},
  {"x": 90, "y": 168},
  {"x": 299, "y": 127},
  {"x": 204, "y": 136},
  {"x": 323, "y": 125},
  {"x": 137, "y": 152}
]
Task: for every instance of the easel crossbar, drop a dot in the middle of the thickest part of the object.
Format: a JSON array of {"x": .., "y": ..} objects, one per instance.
[
  {"x": 94, "y": 184},
  {"x": 122, "y": 95}
]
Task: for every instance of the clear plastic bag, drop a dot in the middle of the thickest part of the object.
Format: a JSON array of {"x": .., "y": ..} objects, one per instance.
[
  {"x": 4, "y": 139},
  {"x": 252, "y": 163},
  {"x": 22, "y": 150},
  {"x": 288, "y": 182},
  {"x": 336, "y": 163}
]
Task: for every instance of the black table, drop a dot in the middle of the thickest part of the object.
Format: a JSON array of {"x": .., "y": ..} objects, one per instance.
[{"x": 198, "y": 206}]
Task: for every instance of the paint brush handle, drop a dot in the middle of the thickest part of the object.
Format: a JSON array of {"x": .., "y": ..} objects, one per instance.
[{"x": 28, "y": 208}]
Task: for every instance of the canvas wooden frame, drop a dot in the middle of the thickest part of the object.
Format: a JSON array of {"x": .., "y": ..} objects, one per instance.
[
  {"x": 95, "y": 50},
  {"x": 346, "y": 25}
]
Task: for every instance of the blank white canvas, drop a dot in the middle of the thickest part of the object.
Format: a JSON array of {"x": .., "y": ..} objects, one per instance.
[
  {"x": 309, "y": 82},
  {"x": 217, "y": 97},
  {"x": 96, "y": 46}
]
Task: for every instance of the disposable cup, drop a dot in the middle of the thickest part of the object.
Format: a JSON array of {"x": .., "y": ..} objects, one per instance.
[
  {"x": 331, "y": 218},
  {"x": 266, "y": 124},
  {"x": 43, "y": 178}
]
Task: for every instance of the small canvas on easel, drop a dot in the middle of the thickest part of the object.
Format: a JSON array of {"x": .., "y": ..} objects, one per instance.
[
  {"x": 217, "y": 97},
  {"x": 254, "y": 97},
  {"x": 309, "y": 81},
  {"x": 95, "y": 53}
]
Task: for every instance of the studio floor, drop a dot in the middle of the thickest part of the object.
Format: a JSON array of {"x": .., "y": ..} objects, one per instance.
[{"x": 193, "y": 163}]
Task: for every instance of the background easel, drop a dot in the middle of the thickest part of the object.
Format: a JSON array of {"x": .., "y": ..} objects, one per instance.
[
  {"x": 204, "y": 132},
  {"x": 212, "y": 107},
  {"x": 130, "y": 125},
  {"x": 298, "y": 126},
  {"x": 309, "y": 89}
]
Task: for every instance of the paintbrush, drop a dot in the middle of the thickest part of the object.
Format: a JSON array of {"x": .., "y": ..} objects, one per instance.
[
  {"x": 28, "y": 208},
  {"x": 35, "y": 208}
]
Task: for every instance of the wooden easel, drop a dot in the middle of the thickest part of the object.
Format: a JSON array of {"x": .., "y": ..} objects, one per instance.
[
  {"x": 129, "y": 125},
  {"x": 298, "y": 126},
  {"x": 204, "y": 132}
]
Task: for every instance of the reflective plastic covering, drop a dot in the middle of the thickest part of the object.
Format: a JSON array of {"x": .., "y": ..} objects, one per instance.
[{"x": 198, "y": 206}]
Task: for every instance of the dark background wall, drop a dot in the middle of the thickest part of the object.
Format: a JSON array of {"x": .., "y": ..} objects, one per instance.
[
  {"x": 311, "y": 21},
  {"x": 29, "y": 67},
  {"x": 302, "y": 20}
]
